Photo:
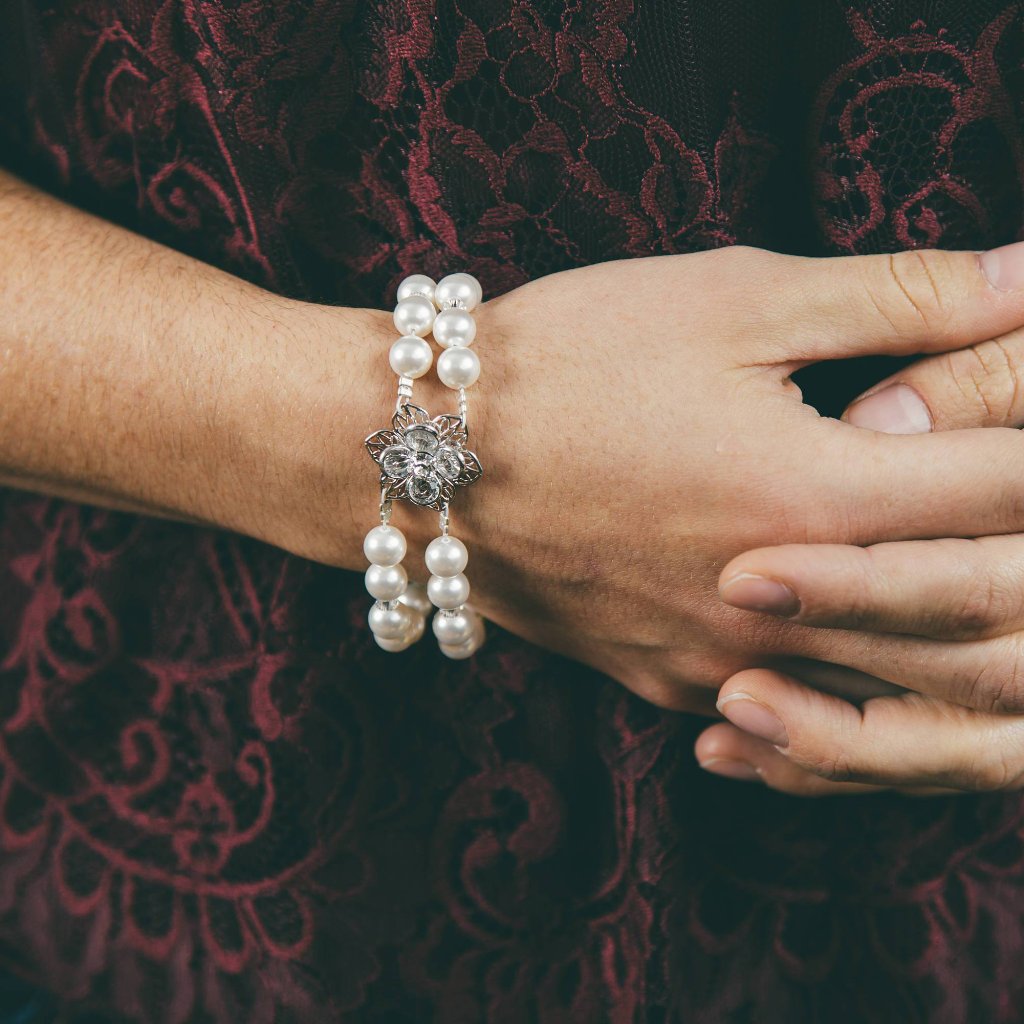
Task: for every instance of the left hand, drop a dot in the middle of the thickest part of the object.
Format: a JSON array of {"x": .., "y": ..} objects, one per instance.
[{"x": 941, "y": 618}]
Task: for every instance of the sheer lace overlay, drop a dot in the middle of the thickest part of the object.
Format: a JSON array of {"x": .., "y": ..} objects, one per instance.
[{"x": 219, "y": 802}]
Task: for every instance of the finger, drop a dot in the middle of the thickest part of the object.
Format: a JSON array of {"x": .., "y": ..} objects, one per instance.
[
  {"x": 725, "y": 750},
  {"x": 977, "y": 386},
  {"x": 887, "y": 741},
  {"x": 987, "y": 675},
  {"x": 948, "y": 589},
  {"x": 901, "y": 303},
  {"x": 878, "y": 487},
  {"x": 838, "y": 680}
]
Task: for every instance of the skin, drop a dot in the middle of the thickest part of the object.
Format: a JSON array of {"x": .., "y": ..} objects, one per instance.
[
  {"x": 636, "y": 420},
  {"x": 184, "y": 392},
  {"x": 630, "y": 585},
  {"x": 946, "y": 604}
]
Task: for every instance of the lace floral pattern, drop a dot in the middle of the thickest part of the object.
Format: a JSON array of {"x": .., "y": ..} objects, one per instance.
[{"x": 218, "y": 801}]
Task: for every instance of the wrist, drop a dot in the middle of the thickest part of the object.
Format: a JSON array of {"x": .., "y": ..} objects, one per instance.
[{"x": 306, "y": 386}]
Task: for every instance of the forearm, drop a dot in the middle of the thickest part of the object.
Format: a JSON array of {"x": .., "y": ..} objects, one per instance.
[{"x": 134, "y": 377}]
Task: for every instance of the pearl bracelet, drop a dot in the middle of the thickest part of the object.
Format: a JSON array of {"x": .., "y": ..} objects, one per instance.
[{"x": 424, "y": 461}]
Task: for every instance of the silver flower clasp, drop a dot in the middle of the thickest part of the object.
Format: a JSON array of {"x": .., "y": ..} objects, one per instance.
[{"x": 423, "y": 460}]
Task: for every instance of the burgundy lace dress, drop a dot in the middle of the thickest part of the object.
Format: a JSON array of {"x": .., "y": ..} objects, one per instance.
[{"x": 219, "y": 802}]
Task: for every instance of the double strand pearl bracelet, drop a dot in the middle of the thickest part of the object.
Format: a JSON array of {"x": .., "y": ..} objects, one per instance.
[{"x": 424, "y": 461}]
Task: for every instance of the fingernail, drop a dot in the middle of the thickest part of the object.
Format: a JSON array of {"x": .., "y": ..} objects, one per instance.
[
  {"x": 898, "y": 409},
  {"x": 1004, "y": 267},
  {"x": 755, "y": 593},
  {"x": 732, "y": 769},
  {"x": 754, "y": 717}
]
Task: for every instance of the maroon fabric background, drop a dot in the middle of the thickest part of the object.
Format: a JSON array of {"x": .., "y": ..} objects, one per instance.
[{"x": 219, "y": 802}]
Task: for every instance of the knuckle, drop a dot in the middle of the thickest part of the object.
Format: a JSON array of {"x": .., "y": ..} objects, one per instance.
[
  {"x": 859, "y": 606},
  {"x": 1011, "y": 372},
  {"x": 918, "y": 287},
  {"x": 841, "y": 757},
  {"x": 862, "y": 596},
  {"x": 998, "y": 686},
  {"x": 987, "y": 380},
  {"x": 995, "y": 772},
  {"x": 1010, "y": 505},
  {"x": 834, "y": 766},
  {"x": 985, "y": 603}
]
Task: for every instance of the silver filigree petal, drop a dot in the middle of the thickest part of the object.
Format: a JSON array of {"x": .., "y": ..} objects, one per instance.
[
  {"x": 450, "y": 428},
  {"x": 378, "y": 443},
  {"x": 446, "y": 495},
  {"x": 472, "y": 470},
  {"x": 409, "y": 415},
  {"x": 393, "y": 489}
]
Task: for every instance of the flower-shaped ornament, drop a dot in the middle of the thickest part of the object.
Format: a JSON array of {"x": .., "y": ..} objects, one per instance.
[{"x": 423, "y": 459}]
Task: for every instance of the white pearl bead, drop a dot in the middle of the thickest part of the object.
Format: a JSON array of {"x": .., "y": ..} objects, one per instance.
[
  {"x": 416, "y": 284},
  {"x": 410, "y": 356},
  {"x": 453, "y": 629},
  {"x": 407, "y": 639},
  {"x": 446, "y": 556},
  {"x": 412, "y": 635},
  {"x": 386, "y": 582},
  {"x": 462, "y": 288},
  {"x": 415, "y": 315},
  {"x": 448, "y": 591},
  {"x": 454, "y": 328},
  {"x": 416, "y": 598},
  {"x": 384, "y": 545},
  {"x": 458, "y": 367},
  {"x": 394, "y": 646},
  {"x": 419, "y": 625},
  {"x": 467, "y": 649},
  {"x": 391, "y": 623},
  {"x": 459, "y": 652}
]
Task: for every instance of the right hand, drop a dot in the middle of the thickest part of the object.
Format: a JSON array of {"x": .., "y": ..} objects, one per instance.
[{"x": 638, "y": 428}]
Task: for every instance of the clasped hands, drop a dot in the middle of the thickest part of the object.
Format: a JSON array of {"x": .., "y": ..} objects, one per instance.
[
  {"x": 658, "y": 500},
  {"x": 850, "y": 594}
]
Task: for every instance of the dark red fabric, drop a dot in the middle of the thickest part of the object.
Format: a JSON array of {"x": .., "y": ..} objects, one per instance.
[{"x": 219, "y": 801}]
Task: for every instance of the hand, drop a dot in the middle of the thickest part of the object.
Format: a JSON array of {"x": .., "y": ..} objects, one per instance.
[
  {"x": 194, "y": 395},
  {"x": 638, "y": 427},
  {"x": 952, "y": 606}
]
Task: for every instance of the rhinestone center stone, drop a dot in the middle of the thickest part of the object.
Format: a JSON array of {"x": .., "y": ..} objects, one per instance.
[{"x": 422, "y": 439}]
